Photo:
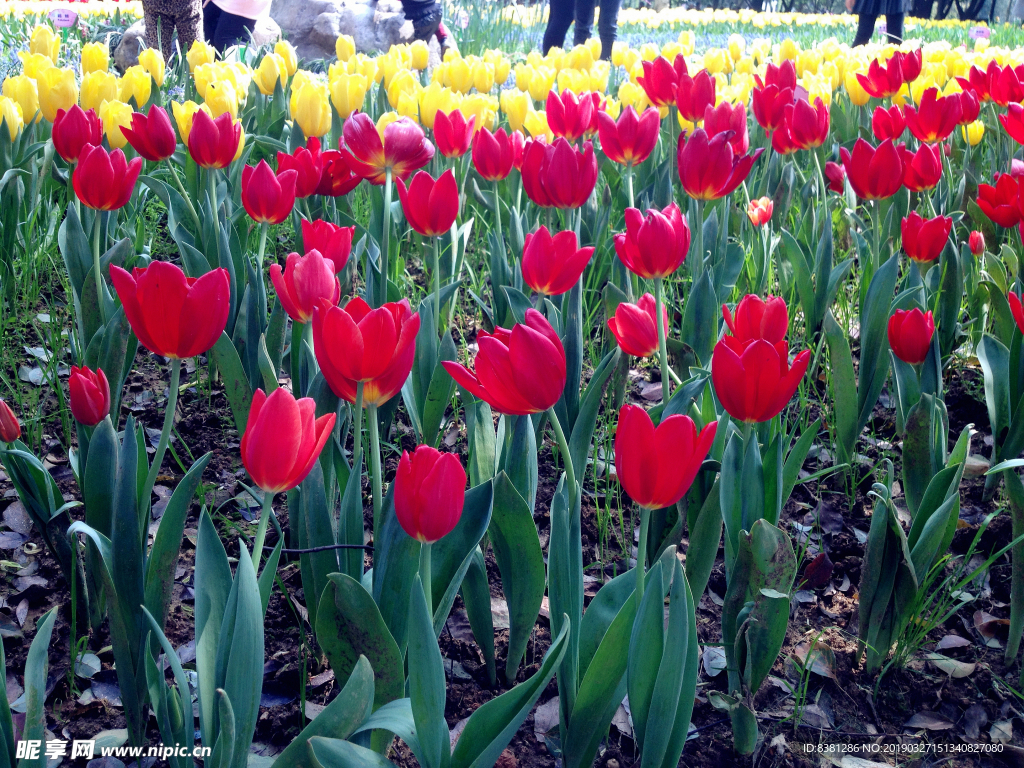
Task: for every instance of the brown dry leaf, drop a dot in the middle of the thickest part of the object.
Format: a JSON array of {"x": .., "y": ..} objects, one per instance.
[
  {"x": 929, "y": 721},
  {"x": 952, "y": 667},
  {"x": 951, "y": 641},
  {"x": 993, "y": 630},
  {"x": 1001, "y": 732},
  {"x": 713, "y": 660},
  {"x": 819, "y": 658}
]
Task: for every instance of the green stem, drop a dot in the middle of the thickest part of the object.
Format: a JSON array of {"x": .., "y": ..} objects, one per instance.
[
  {"x": 264, "y": 229},
  {"x": 821, "y": 176},
  {"x": 497, "y": 220},
  {"x": 375, "y": 472},
  {"x": 165, "y": 433},
  {"x": 97, "y": 226},
  {"x": 641, "y": 552},
  {"x": 698, "y": 233},
  {"x": 659, "y": 290},
  {"x": 437, "y": 283},
  {"x": 357, "y": 435},
  {"x": 425, "y": 574},
  {"x": 298, "y": 329},
  {"x": 629, "y": 185},
  {"x": 211, "y": 182},
  {"x": 261, "y": 530},
  {"x": 188, "y": 201},
  {"x": 563, "y": 448},
  {"x": 382, "y": 289}
]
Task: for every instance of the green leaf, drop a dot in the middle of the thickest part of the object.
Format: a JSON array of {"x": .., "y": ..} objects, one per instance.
[
  {"x": 646, "y": 646},
  {"x": 700, "y": 318},
  {"x": 334, "y": 753},
  {"x": 185, "y": 732},
  {"x": 480, "y": 438},
  {"x": 583, "y": 431},
  {"x": 427, "y": 683},
  {"x": 843, "y": 385},
  {"x": 874, "y": 340},
  {"x": 705, "y": 536},
  {"x": 919, "y": 461},
  {"x": 995, "y": 362},
  {"x": 476, "y": 596},
  {"x": 395, "y": 558},
  {"x": 450, "y": 556},
  {"x": 317, "y": 531},
  {"x": 439, "y": 392},
  {"x": 36, "y": 666},
  {"x": 213, "y": 584},
  {"x": 236, "y": 383}
]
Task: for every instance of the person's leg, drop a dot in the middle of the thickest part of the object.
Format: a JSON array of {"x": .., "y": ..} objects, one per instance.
[
  {"x": 865, "y": 29},
  {"x": 159, "y": 32},
  {"x": 894, "y": 27},
  {"x": 559, "y": 18},
  {"x": 231, "y": 30},
  {"x": 188, "y": 26},
  {"x": 211, "y": 15},
  {"x": 425, "y": 16},
  {"x": 583, "y": 14},
  {"x": 607, "y": 26}
]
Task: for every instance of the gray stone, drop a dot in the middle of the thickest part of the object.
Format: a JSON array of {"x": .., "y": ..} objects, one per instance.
[
  {"x": 314, "y": 26},
  {"x": 266, "y": 32},
  {"x": 127, "y": 52}
]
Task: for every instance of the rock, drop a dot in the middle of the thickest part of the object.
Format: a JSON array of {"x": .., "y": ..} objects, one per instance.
[
  {"x": 127, "y": 52},
  {"x": 266, "y": 32},
  {"x": 314, "y": 26}
]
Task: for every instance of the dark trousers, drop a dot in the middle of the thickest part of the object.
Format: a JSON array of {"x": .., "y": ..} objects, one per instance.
[
  {"x": 223, "y": 29},
  {"x": 163, "y": 18},
  {"x": 866, "y": 28},
  {"x": 565, "y": 12}
]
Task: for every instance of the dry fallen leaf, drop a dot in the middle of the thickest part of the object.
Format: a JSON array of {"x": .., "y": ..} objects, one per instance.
[
  {"x": 929, "y": 721},
  {"x": 952, "y": 667},
  {"x": 819, "y": 658},
  {"x": 951, "y": 641}
]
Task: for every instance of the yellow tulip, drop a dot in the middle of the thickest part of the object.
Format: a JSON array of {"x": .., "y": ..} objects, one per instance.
[
  {"x": 536, "y": 124},
  {"x": 45, "y": 42},
  {"x": 716, "y": 61},
  {"x": 11, "y": 116},
  {"x": 858, "y": 96},
  {"x": 581, "y": 57},
  {"x": 789, "y": 49},
  {"x": 95, "y": 58},
  {"x": 460, "y": 75},
  {"x": 57, "y": 90},
  {"x": 687, "y": 41},
  {"x": 365, "y": 66},
  {"x": 973, "y": 132},
  {"x": 200, "y": 53},
  {"x": 136, "y": 84},
  {"x": 183, "y": 113},
  {"x": 390, "y": 66},
  {"x": 222, "y": 97},
  {"x": 115, "y": 115},
  {"x": 311, "y": 109},
  {"x": 613, "y": 107},
  {"x": 272, "y": 70},
  {"x": 152, "y": 61},
  {"x": 515, "y": 105},
  {"x": 22, "y": 89},
  {"x": 435, "y": 97},
  {"x": 345, "y": 47},
  {"x": 541, "y": 82},
  {"x": 404, "y": 81},
  {"x": 483, "y": 77},
  {"x": 649, "y": 51},
  {"x": 240, "y": 76},
  {"x": 483, "y": 107},
  {"x": 409, "y": 105},
  {"x": 241, "y": 141},
  {"x": 502, "y": 66},
  {"x": 286, "y": 51},
  {"x": 348, "y": 93},
  {"x": 594, "y": 44},
  {"x": 737, "y": 47},
  {"x": 619, "y": 51},
  {"x": 203, "y": 75},
  {"x": 98, "y": 87},
  {"x": 420, "y": 55},
  {"x": 384, "y": 121},
  {"x": 632, "y": 95},
  {"x": 34, "y": 64},
  {"x": 523, "y": 72},
  {"x": 684, "y": 125}
]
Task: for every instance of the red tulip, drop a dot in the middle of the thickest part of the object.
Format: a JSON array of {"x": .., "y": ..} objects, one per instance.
[
  {"x": 282, "y": 440},
  {"x": 661, "y": 78},
  {"x": 635, "y": 328},
  {"x": 430, "y": 491},
  {"x": 756, "y": 319},
  {"x": 935, "y": 117},
  {"x": 760, "y": 211},
  {"x": 874, "y": 173},
  {"x": 979, "y": 81},
  {"x": 1005, "y": 86},
  {"x": 559, "y": 175},
  {"x": 90, "y": 395},
  {"x": 568, "y": 116},
  {"x": 911, "y": 64},
  {"x": 518, "y": 142},
  {"x": 630, "y": 139},
  {"x": 976, "y": 242},
  {"x": 519, "y": 371},
  {"x": 835, "y": 175},
  {"x": 337, "y": 178},
  {"x": 173, "y": 315},
  {"x": 770, "y": 98},
  {"x": 267, "y": 198},
  {"x": 922, "y": 169},
  {"x": 782, "y": 141},
  {"x": 304, "y": 282},
  {"x": 453, "y": 134},
  {"x": 403, "y": 150},
  {"x": 492, "y": 154},
  {"x": 888, "y": 123},
  {"x": 1016, "y": 169},
  {"x": 430, "y": 206},
  {"x": 152, "y": 134},
  {"x": 599, "y": 107},
  {"x": 1000, "y": 203},
  {"x": 924, "y": 239},
  {"x": 656, "y": 467},
  {"x": 910, "y": 335},
  {"x": 709, "y": 169},
  {"x": 333, "y": 242},
  {"x": 883, "y": 81},
  {"x": 656, "y": 244},
  {"x": 104, "y": 180},
  {"x": 73, "y": 130},
  {"x": 553, "y": 265},
  {"x": 694, "y": 95},
  {"x": 1013, "y": 122},
  {"x": 308, "y": 164},
  {"x": 781, "y": 76},
  {"x": 755, "y": 385},
  {"x": 356, "y": 344},
  {"x": 214, "y": 143},
  {"x": 1015, "y": 309},
  {"x": 970, "y": 106},
  {"x": 726, "y": 117},
  {"x": 10, "y": 429}
]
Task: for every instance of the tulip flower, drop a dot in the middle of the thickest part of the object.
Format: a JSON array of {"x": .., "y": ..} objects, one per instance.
[
  {"x": 770, "y": 97},
  {"x": 453, "y": 134},
  {"x": 922, "y": 170},
  {"x": 568, "y": 116},
  {"x": 709, "y": 169},
  {"x": 1013, "y": 122},
  {"x": 401, "y": 150},
  {"x": 135, "y": 84},
  {"x": 970, "y": 106},
  {"x": 115, "y": 116},
  {"x": 911, "y": 64},
  {"x": 104, "y": 180},
  {"x": 654, "y": 245},
  {"x": 755, "y": 319},
  {"x": 782, "y": 141},
  {"x": 1000, "y": 202},
  {"x": 924, "y": 239},
  {"x": 336, "y": 179},
  {"x": 978, "y": 81},
  {"x": 73, "y": 130},
  {"x": 152, "y": 134},
  {"x": 492, "y": 154},
  {"x": 98, "y": 87},
  {"x": 694, "y": 95},
  {"x": 11, "y": 117},
  {"x": 308, "y": 163},
  {"x": 304, "y": 282},
  {"x": 888, "y": 123},
  {"x": 57, "y": 90},
  {"x": 10, "y": 429},
  {"x": 22, "y": 89},
  {"x": 357, "y": 345},
  {"x": 660, "y": 79},
  {"x": 518, "y": 371},
  {"x": 729, "y": 118},
  {"x": 1005, "y": 86},
  {"x": 95, "y": 58},
  {"x": 213, "y": 143},
  {"x": 635, "y": 326},
  {"x": 553, "y": 264},
  {"x": 310, "y": 107},
  {"x": 90, "y": 395},
  {"x": 332, "y": 241},
  {"x": 910, "y": 335},
  {"x": 883, "y": 81},
  {"x": 835, "y": 176},
  {"x": 430, "y": 206},
  {"x": 874, "y": 174},
  {"x": 1015, "y": 309},
  {"x": 760, "y": 211},
  {"x": 152, "y": 62},
  {"x": 559, "y": 175},
  {"x": 430, "y": 491},
  {"x": 808, "y": 126},
  {"x": 976, "y": 242},
  {"x": 630, "y": 139},
  {"x": 266, "y": 197},
  {"x": 935, "y": 117},
  {"x": 755, "y": 385}
]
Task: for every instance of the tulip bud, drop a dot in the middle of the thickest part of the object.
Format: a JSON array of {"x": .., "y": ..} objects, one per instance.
[
  {"x": 286, "y": 51},
  {"x": 924, "y": 239},
  {"x": 910, "y": 335},
  {"x": 104, "y": 181},
  {"x": 73, "y": 129},
  {"x": 10, "y": 429},
  {"x": 760, "y": 211},
  {"x": 430, "y": 207},
  {"x": 90, "y": 395},
  {"x": 430, "y": 491},
  {"x": 152, "y": 60},
  {"x": 304, "y": 282},
  {"x": 553, "y": 265},
  {"x": 333, "y": 242},
  {"x": 634, "y": 326},
  {"x": 95, "y": 58},
  {"x": 976, "y": 241}
]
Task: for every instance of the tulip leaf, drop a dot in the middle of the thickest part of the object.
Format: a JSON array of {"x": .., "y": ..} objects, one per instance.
[
  {"x": 313, "y": 522},
  {"x": 565, "y": 590},
  {"x": 583, "y": 431},
  {"x": 926, "y": 423},
  {"x": 8, "y": 748},
  {"x": 396, "y": 718},
  {"x": 427, "y": 683},
  {"x": 236, "y": 383},
  {"x": 224, "y": 743},
  {"x": 519, "y": 457},
  {"x": 113, "y": 349},
  {"x": 335, "y": 753},
  {"x": 1015, "y": 495},
  {"x": 182, "y": 733},
  {"x": 439, "y": 392},
  {"x": 451, "y": 556},
  {"x": 705, "y": 536},
  {"x": 212, "y": 586},
  {"x": 995, "y": 363},
  {"x": 480, "y": 438},
  {"x": 36, "y": 666},
  {"x": 520, "y": 560},
  {"x": 572, "y": 341},
  {"x": 700, "y": 318},
  {"x": 395, "y": 557},
  {"x": 646, "y": 646},
  {"x": 874, "y": 342},
  {"x": 744, "y": 721},
  {"x": 476, "y": 596}
]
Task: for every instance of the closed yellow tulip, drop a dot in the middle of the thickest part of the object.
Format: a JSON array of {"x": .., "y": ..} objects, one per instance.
[
  {"x": 95, "y": 58},
  {"x": 115, "y": 115},
  {"x": 483, "y": 107},
  {"x": 409, "y": 105},
  {"x": 23, "y": 90},
  {"x": 311, "y": 109},
  {"x": 240, "y": 76},
  {"x": 737, "y": 47},
  {"x": 34, "y": 64},
  {"x": 536, "y": 124},
  {"x": 222, "y": 97},
  {"x": 460, "y": 75},
  {"x": 433, "y": 98},
  {"x": 573, "y": 80},
  {"x": 687, "y": 41},
  {"x": 98, "y": 87},
  {"x": 286, "y": 51},
  {"x": 203, "y": 75},
  {"x": 515, "y": 105},
  {"x": 502, "y": 66},
  {"x": 541, "y": 82},
  {"x": 200, "y": 53},
  {"x": 523, "y": 74},
  {"x": 789, "y": 49},
  {"x": 404, "y": 81},
  {"x": 670, "y": 49},
  {"x": 348, "y": 93},
  {"x": 136, "y": 84},
  {"x": 973, "y": 132},
  {"x": 613, "y": 107},
  {"x": 619, "y": 51},
  {"x": 632, "y": 95},
  {"x": 365, "y": 66},
  {"x": 483, "y": 76},
  {"x": 183, "y": 113},
  {"x": 594, "y": 44},
  {"x": 272, "y": 70},
  {"x": 152, "y": 61},
  {"x": 241, "y": 141},
  {"x": 11, "y": 117},
  {"x": 858, "y": 96},
  {"x": 384, "y": 121},
  {"x": 345, "y": 47},
  {"x": 420, "y": 55},
  {"x": 45, "y": 42},
  {"x": 581, "y": 57},
  {"x": 649, "y": 51},
  {"x": 57, "y": 90}
]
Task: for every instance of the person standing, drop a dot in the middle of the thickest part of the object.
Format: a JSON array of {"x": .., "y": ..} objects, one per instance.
[
  {"x": 163, "y": 17},
  {"x": 230, "y": 22},
  {"x": 581, "y": 12},
  {"x": 869, "y": 10}
]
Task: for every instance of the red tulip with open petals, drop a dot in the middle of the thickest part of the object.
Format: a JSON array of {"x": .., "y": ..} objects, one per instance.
[
  {"x": 268, "y": 197},
  {"x": 90, "y": 395},
  {"x": 910, "y": 335},
  {"x": 430, "y": 492},
  {"x": 430, "y": 206},
  {"x": 336, "y": 179},
  {"x": 404, "y": 149},
  {"x": 152, "y": 134},
  {"x": 729, "y": 117},
  {"x": 630, "y": 139},
  {"x": 935, "y": 117},
  {"x": 874, "y": 173},
  {"x": 756, "y": 384},
  {"x": 653, "y": 245},
  {"x": 660, "y": 79},
  {"x": 568, "y": 116},
  {"x": 883, "y": 80},
  {"x": 308, "y": 164},
  {"x": 333, "y": 242},
  {"x": 635, "y": 326},
  {"x": 1000, "y": 202},
  {"x": 708, "y": 168},
  {"x": 771, "y": 96},
  {"x": 808, "y": 125},
  {"x": 1005, "y": 86},
  {"x": 694, "y": 95},
  {"x": 304, "y": 282},
  {"x": 553, "y": 264},
  {"x": 756, "y": 319},
  {"x": 922, "y": 170},
  {"x": 73, "y": 130},
  {"x": 105, "y": 181},
  {"x": 760, "y": 211}
]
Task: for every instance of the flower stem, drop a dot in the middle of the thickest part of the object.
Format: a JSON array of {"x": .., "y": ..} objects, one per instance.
[
  {"x": 357, "y": 434},
  {"x": 497, "y": 220},
  {"x": 188, "y": 201},
  {"x": 261, "y": 530},
  {"x": 382, "y": 289},
  {"x": 563, "y": 448},
  {"x": 641, "y": 552},
  {"x": 437, "y": 283},
  {"x": 165, "y": 433},
  {"x": 97, "y": 226},
  {"x": 629, "y": 185},
  {"x": 698, "y": 233},
  {"x": 298, "y": 330},
  {"x": 375, "y": 471},
  {"x": 211, "y": 181},
  {"x": 264, "y": 229},
  {"x": 659, "y": 298},
  {"x": 425, "y": 574}
]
